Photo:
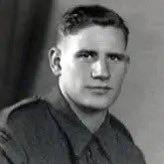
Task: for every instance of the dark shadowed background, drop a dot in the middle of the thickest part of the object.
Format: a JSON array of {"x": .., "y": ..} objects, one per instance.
[
  {"x": 23, "y": 39},
  {"x": 27, "y": 31}
]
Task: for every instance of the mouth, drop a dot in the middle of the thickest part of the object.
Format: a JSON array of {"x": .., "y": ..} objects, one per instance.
[{"x": 100, "y": 90}]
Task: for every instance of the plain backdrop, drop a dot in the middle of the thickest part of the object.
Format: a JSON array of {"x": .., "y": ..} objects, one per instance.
[{"x": 140, "y": 105}]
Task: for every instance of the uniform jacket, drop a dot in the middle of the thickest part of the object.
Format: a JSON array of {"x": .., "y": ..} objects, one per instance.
[{"x": 34, "y": 131}]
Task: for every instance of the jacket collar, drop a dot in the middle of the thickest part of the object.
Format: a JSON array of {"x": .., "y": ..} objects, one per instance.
[{"x": 77, "y": 133}]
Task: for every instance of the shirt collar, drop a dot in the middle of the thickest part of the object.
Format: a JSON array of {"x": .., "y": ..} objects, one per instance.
[{"x": 77, "y": 133}]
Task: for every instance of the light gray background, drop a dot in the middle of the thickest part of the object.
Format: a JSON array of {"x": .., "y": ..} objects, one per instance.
[{"x": 140, "y": 105}]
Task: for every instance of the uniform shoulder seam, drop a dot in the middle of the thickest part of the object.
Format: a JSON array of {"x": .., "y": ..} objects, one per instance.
[{"x": 7, "y": 111}]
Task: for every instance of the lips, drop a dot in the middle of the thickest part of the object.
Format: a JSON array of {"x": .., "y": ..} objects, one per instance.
[{"x": 99, "y": 89}]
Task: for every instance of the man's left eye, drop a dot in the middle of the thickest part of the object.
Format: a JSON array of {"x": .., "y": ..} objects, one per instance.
[{"x": 116, "y": 57}]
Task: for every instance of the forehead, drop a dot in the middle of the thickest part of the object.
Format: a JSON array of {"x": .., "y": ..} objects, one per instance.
[{"x": 96, "y": 37}]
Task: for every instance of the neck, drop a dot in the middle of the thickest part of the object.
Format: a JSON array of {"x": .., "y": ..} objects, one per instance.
[{"x": 91, "y": 120}]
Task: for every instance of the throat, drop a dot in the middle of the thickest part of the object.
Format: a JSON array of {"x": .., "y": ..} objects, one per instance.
[{"x": 92, "y": 120}]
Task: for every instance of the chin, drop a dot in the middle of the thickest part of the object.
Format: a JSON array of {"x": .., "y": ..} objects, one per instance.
[
  {"x": 99, "y": 101},
  {"x": 91, "y": 108},
  {"x": 97, "y": 105}
]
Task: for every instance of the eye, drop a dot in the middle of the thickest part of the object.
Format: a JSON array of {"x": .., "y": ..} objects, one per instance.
[
  {"x": 86, "y": 55},
  {"x": 116, "y": 57}
]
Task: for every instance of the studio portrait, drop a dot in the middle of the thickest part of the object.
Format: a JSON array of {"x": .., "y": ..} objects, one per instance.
[{"x": 81, "y": 82}]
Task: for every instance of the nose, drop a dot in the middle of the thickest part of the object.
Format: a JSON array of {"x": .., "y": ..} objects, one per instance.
[{"x": 101, "y": 70}]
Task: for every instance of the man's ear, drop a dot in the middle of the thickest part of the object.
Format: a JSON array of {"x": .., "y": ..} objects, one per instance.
[{"x": 54, "y": 60}]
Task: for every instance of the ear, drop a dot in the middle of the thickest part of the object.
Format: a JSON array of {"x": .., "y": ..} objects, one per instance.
[{"x": 54, "y": 60}]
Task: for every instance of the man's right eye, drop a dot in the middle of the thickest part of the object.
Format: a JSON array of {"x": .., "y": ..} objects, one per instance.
[{"x": 86, "y": 55}]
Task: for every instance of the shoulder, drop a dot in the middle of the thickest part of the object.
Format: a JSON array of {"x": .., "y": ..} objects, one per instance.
[
  {"x": 26, "y": 127},
  {"x": 126, "y": 142},
  {"x": 21, "y": 110},
  {"x": 12, "y": 120},
  {"x": 120, "y": 127}
]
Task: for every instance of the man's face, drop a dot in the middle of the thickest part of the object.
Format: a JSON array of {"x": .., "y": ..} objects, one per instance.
[{"x": 93, "y": 65}]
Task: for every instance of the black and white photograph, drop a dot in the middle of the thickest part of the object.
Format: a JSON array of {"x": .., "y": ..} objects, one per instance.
[{"x": 81, "y": 82}]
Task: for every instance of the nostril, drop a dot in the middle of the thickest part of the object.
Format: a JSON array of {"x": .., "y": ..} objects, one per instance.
[{"x": 100, "y": 76}]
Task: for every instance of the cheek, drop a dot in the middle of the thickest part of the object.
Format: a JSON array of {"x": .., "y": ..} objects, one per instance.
[
  {"x": 118, "y": 73},
  {"x": 75, "y": 73}
]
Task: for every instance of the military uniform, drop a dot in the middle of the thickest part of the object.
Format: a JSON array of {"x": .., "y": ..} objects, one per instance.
[{"x": 46, "y": 131}]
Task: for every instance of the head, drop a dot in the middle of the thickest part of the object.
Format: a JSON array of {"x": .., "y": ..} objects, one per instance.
[{"x": 90, "y": 57}]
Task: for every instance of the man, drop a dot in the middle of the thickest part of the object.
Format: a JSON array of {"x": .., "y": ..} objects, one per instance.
[{"x": 72, "y": 124}]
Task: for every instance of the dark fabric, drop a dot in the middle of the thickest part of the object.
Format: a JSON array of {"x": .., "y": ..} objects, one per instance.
[
  {"x": 23, "y": 31},
  {"x": 82, "y": 141},
  {"x": 45, "y": 130}
]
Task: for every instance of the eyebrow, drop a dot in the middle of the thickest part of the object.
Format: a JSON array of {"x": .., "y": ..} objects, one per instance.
[
  {"x": 87, "y": 51},
  {"x": 115, "y": 53}
]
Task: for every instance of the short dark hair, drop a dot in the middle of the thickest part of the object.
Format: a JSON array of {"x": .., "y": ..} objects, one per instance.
[{"x": 83, "y": 16}]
